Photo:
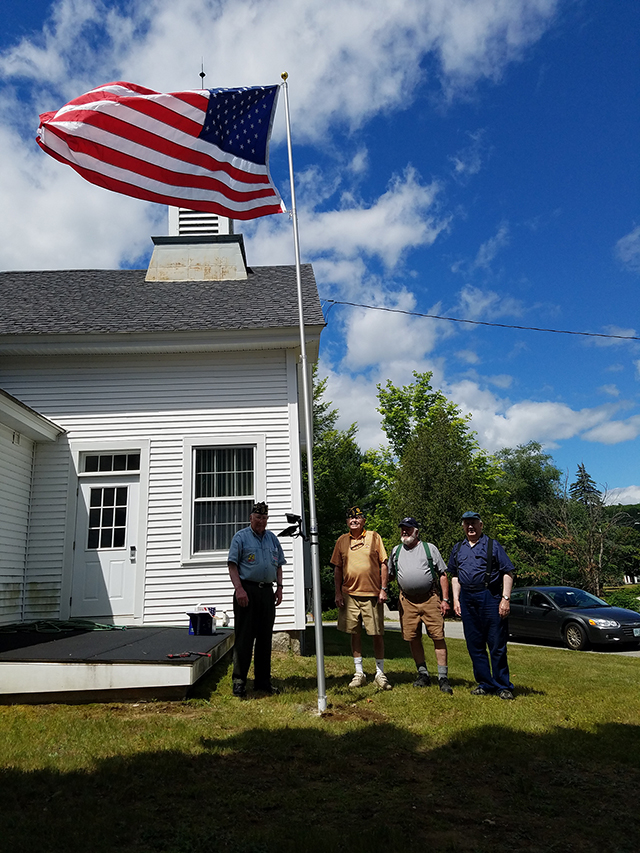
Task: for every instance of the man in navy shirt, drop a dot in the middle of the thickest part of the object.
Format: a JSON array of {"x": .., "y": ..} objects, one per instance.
[
  {"x": 255, "y": 563},
  {"x": 481, "y": 578}
]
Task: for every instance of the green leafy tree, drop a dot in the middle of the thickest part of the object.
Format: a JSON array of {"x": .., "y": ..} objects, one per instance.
[
  {"x": 531, "y": 480},
  {"x": 440, "y": 470},
  {"x": 404, "y": 409},
  {"x": 531, "y": 487}
]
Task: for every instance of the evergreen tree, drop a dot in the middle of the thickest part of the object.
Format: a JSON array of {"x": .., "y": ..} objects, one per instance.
[{"x": 584, "y": 489}]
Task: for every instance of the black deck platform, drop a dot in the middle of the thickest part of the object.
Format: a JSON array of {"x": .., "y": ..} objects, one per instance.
[{"x": 94, "y": 666}]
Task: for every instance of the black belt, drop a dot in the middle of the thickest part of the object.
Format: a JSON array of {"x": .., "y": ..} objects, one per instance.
[
  {"x": 472, "y": 588},
  {"x": 258, "y": 583}
]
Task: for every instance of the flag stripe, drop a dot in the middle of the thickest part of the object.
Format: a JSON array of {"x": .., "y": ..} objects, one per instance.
[
  {"x": 132, "y": 126},
  {"x": 208, "y": 204},
  {"x": 146, "y": 144},
  {"x": 118, "y": 133},
  {"x": 94, "y": 156}
]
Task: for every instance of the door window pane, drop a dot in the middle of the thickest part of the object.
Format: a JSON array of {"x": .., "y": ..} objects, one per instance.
[{"x": 107, "y": 517}]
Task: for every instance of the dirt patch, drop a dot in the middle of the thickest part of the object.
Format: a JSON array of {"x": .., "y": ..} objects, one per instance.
[{"x": 339, "y": 713}]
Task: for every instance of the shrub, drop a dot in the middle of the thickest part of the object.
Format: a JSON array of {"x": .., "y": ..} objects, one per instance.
[{"x": 623, "y": 598}]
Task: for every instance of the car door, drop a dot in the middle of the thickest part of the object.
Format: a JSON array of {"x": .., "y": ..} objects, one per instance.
[
  {"x": 542, "y": 616},
  {"x": 517, "y": 623}
]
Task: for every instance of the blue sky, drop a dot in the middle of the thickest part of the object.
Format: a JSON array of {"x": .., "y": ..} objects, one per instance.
[{"x": 466, "y": 158}]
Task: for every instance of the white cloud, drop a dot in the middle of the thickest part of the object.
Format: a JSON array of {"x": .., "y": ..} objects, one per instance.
[
  {"x": 469, "y": 356},
  {"x": 476, "y": 304},
  {"x": 53, "y": 219},
  {"x": 468, "y": 161},
  {"x": 624, "y": 496},
  {"x": 502, "y": 380},
  {"x": 477, "y": 39},
  {"x": 488, "y": 251},
  {"x": 398, "y": 220},
  {"x": 500, "y": 423},
  {"x": 621, "y": 334},
  {"x": 384, "y": 338},
  {"x": 342, "y": 241},
  {"x": 348, "y": 61},
  {"x": 614, "y": 432},
  {"x": 628, "y": 250},
  {"x": 611, "y": 390}
]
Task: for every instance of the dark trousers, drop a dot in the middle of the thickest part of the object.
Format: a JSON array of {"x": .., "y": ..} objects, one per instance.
[
  {"x": 484, "y": 628},
  {"x": 254, "y": 623}
]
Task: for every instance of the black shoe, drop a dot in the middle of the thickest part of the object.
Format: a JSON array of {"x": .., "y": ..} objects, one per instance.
[
  {"x": 423, "y": 680},
  {"x": 269, "y": 689},
  {"x": 239, "y": 689},
  {"x": 445, "y": 687},
  {"x": 479, "y": 691},
  {"x": 506, "y": 694}
]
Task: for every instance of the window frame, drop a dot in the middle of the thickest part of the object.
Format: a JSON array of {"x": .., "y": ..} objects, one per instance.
[{"x": 192, "y": 444}]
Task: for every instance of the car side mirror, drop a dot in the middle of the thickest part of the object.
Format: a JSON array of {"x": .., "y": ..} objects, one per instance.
[{"x": 545, "y": 605}]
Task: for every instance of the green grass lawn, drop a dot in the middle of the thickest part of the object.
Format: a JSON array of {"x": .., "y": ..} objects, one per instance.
[{"x": 404, "y": 770}]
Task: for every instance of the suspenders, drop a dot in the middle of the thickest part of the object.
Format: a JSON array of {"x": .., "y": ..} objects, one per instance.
[{"x": 434, "y": 574}]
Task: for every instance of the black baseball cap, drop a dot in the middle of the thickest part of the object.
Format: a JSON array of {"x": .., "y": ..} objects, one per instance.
[
  {"x": 471, "y": 515},
  {"x": 355, "y": 512},
  {"x": 409, "y": 521}
]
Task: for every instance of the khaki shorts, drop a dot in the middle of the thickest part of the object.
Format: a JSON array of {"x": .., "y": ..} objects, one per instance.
[
  {"x": 361, "y": 609},
  {"x": 418, "y": 609}
]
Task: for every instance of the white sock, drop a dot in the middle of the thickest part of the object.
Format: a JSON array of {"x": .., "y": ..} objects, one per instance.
[
  {"x": 379, "y": 665},
  {"x": 358, "y": 664}
]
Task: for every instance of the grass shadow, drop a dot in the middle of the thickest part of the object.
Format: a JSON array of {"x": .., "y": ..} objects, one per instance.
[{"x": 292, "y": 789}]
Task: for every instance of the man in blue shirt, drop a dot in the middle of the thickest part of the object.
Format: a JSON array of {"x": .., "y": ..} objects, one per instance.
[
  {"x": 255, "y": 563},
  {"x": 481, "y": 578}
]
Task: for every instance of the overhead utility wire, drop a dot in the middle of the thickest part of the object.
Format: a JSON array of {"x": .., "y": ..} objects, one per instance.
[{"x": 482, "y": 322}]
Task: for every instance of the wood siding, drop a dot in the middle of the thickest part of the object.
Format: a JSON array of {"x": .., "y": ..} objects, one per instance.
[
  {"x": 16, "y": 462},
  {"x": 160, "y": 400}
]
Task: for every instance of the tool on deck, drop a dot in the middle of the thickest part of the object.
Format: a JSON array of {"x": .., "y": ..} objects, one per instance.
[{"x": 188, "y": 654}]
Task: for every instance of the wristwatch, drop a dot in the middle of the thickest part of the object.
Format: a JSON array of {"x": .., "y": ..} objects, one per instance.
[
  {"x": 446, "y": 600},
  {"x": 384, "y": 588},
  {"x": 506, "y": 597}
]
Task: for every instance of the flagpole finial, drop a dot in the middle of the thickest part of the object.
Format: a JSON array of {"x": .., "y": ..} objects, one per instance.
[
  {"x": 202, "y": 74},
  {"x": 284, "y": 76}
]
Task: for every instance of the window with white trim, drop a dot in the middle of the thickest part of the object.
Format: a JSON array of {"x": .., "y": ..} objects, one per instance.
[{"x": 224, "y": 484}]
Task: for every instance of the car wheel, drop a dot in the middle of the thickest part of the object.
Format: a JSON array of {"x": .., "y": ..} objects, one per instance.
[{"x": 575, "y": 637}]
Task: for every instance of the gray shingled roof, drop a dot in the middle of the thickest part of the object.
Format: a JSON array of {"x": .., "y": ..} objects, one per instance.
[{"x": 121, "y": 301}]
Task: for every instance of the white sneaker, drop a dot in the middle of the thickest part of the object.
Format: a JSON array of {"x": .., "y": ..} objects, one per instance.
[
  {"x": 358, "y": 680},
  {"x": 382, "y": 682}
]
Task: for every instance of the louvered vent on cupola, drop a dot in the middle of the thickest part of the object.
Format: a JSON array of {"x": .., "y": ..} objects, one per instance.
[{"x": 185, "y": 223}]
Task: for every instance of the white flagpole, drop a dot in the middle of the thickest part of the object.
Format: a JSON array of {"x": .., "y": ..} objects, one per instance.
[{"x": 308, "y": 422}]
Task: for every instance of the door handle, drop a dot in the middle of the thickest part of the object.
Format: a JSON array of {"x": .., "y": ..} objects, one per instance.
[{"x": 132, "y": 553}]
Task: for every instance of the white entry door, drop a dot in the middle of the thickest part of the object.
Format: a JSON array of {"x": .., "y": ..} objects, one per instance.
[{"x": 105, "y": 557}]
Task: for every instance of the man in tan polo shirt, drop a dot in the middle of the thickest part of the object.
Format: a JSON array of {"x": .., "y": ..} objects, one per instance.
[{"x": 361, "y": 576}]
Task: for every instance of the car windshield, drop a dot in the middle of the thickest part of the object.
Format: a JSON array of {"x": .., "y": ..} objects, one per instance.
[{"x": 575, "y": 598}]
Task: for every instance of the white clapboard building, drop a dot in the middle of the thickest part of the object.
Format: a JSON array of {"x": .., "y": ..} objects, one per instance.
[{"x": 141, "y": 414}]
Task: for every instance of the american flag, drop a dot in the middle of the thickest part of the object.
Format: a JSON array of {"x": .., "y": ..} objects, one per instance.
[{"x": 203, "y": 149}]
